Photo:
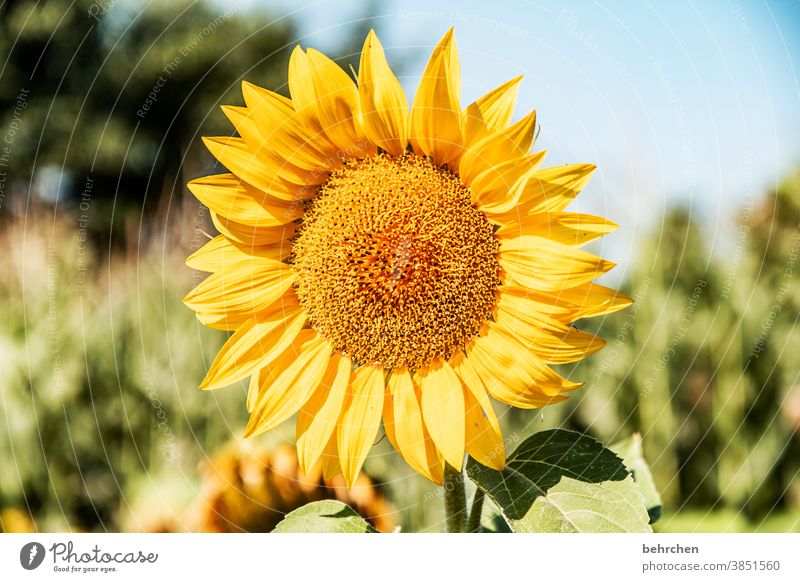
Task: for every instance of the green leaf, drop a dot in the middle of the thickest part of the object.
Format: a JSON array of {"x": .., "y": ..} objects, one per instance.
[
  {"x": 327, "y": 516},
  {"x": 630, "y": 449},
  {"x": 539, "y": 463},
  {"x": 492, "y": 520},
  {"x": 576, "y": 506}
]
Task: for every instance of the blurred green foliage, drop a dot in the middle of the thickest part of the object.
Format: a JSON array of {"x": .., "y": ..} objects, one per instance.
[
  {"x": 99, "y": 380},
  {"x": 120, "y": 92},
  {"x": 704, "y": 366}
]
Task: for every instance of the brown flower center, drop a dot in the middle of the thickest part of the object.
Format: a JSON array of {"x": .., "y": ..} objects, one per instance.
[{"x": 396, "y": 267}]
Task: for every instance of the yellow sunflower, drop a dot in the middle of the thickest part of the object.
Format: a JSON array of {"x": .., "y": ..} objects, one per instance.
[{"x": 380, "y": 263}]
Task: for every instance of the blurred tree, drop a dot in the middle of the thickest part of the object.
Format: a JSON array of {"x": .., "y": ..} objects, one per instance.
[
  {"x": 703, "y": 363},
  {"x": 118, "y": 93},
  {"x": 768, "y": 305}
]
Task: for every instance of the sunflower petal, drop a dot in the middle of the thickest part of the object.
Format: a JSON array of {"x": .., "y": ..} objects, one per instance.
[
  {"x": 491, "y": 112},
  {"x": 236, "y": 200},
  {"x": 284, "y": 132},
  {"x": 288, "y": 382},
  {"x": 252, "y": 391},
  {"x": 443, "y": 410},
  {"x": 406, "y": 428},
  {"x": 384, "y": 107},
  {"x": 280, "y": 138},
  {"x": 436, "y": 113},
  {"x": 569, "y": 228},
  {"x": 222, "y": 321},
  {"x": 224, "y": 254},
  {"x": 318, "y": 418},
  {"x": 322, "y": 91},
  {"x": 244, "y": 289},
  {"x": 360, "y": 420},
  {"x": 473, "y": 384},
  {"x": 263, "y": 172},
  {"x": 589, "y": 300},
  {"x": 220, "y": 253},
  {"x": 484, "y": 439},
  {"x": 330, "y": 460},
  {"x": 546, "y": 265},
  {"x": 532, "y": 307},
  {"x": 511, "y": 373},
  {"x": 542, "y": 319},
  {"x": 255, "y": 344},
  {"x": 550, "y": 190},
  {"x": 250, "y": 236},
  {"x": 511, "y": 142},
  {"x": 233, "y": 319},
  {"x": 554, "y": 342},
  {"x": 498, "y": 189}
]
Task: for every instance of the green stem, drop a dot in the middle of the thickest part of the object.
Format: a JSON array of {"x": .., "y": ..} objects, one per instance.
[
  {"x": 455, "y": 500},
  {"x": 474, "y": 522}
]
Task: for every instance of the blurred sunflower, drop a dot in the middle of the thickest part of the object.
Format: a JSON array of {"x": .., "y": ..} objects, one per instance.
[
  {"x": 378, "y": 262},
  {"x": 15, "y": 520},
  {"x": 252, "y": 489}
]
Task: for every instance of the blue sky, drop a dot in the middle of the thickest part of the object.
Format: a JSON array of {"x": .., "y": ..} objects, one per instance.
[{"x": 674, "y": 101}]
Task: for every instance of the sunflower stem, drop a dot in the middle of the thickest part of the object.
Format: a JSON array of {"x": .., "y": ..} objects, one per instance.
[
  {"x": 455, "y": 500},
  {"x": 474, "y": 521}
]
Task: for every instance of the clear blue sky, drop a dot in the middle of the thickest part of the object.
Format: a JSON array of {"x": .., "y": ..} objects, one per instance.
[{"x": 674, "y": 101}]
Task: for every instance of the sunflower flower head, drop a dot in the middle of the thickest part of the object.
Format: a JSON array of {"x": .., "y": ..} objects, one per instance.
[
  {"x": 385, "y": 265},
  {"x": 252, "y": 488}
]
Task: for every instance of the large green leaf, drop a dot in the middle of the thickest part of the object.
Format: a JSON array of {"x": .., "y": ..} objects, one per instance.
[
  {"x": 576, "y": 506},
  {"x": 630, "y": 449},
  {"x": 327, "y": 516},
  {"x": 492, "y": 520},
  {"x": 539, "y": 463}
]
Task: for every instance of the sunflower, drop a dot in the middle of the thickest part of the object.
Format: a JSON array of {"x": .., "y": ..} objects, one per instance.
[
  {"x": 384, "y": 264},
  {"x": 252, "y": 488}
]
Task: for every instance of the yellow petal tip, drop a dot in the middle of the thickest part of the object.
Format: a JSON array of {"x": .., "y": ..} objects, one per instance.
[{"x": 624, "y": 299}]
